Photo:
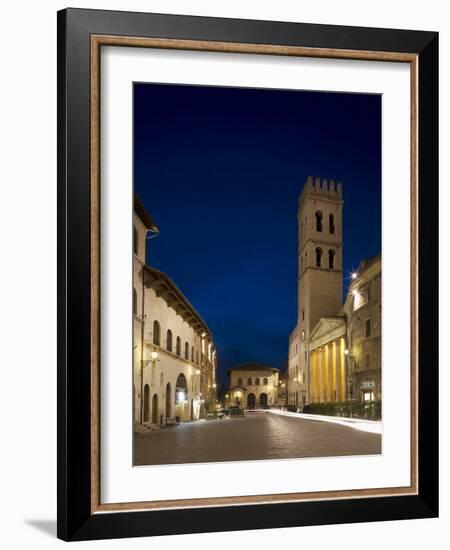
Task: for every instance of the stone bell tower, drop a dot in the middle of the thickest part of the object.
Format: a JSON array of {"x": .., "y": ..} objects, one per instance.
[{"x": 319, "y": 264}]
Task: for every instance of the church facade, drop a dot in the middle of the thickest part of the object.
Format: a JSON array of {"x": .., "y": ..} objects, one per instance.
[
  {"x": 335, "y": 348},
  {"x": 174, "y": 357}
]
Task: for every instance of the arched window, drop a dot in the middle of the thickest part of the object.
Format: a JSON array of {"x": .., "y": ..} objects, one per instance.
[
  {"x": 196, "y": 357},
  {"x": 331, "y": 223},
  {"x": 156, "y": 333},
  {"x": 192, "y": 354},
  {"x": 318, "y": 257},
  {"x": 186, "y": 350},
  {"x": 331, "y": 254},
  {"x": 265, "y": 382},
  {"x": 178, "y": 345},
  {"x": 249, "y": 381},
  {"x": 319, "y": 218},
  {"x": 135, "y": 241},
  {"x": 134, "y": 302},
  {"x": 256, "y": 381},
  {"x": 239, "y": 382},
  {"x": 169, "y": 340}
]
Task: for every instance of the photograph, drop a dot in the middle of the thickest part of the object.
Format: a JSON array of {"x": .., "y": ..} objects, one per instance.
[{"x": 257, "y": 273}]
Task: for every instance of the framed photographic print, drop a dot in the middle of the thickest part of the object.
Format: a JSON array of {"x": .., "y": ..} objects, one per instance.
[{"x": 247, "y": 274}]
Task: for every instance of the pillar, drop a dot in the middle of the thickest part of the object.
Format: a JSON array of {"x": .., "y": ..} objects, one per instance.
[
  {"x": 342, "y": 377},
  {"x": 326, "y": 378},
  {"x": 333, "y": 372}
]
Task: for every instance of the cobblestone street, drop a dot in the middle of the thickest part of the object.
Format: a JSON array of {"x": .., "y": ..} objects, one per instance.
[{"x": 260, "y": 435}]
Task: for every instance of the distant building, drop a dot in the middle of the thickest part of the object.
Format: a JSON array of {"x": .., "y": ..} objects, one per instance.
[
  {"x": 335, "y": 348},
  {"x": 174, "y": 354},
  {"x": 253, "y": 385}
]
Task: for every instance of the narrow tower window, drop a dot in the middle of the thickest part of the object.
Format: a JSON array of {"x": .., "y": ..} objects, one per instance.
[
  {"x": 331, "y": 254},
  {"x": 331, "y": 220},
  {"x": 169, "y": 340},
  {"x": 318, "y": 257},
  {"x": 319, "y": 218}
]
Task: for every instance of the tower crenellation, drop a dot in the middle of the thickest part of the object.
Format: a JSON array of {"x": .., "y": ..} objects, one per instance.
[{"x": 321, "y": 186}]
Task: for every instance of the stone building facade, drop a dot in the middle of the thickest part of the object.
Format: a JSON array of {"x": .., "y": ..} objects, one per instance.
[
  {"x": 253, "y": 386},
  {"x": 174, "y": 357},
  {"x": 335, "y": 348},
  {"x": 363, "y": 315}
]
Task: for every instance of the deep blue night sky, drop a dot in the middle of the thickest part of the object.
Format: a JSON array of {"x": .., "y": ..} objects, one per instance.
[{"x": 220, "y": 171}]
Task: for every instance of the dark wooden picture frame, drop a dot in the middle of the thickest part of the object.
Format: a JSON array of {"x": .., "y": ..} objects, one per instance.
[{"x": 81, "y": 34}]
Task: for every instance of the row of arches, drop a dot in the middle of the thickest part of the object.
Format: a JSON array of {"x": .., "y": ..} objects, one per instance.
[
  {"x": 188, "y": 352},
  {"x": 155, "y": 405},
  {"x": 319, "y": 222},
  {"x": 257, "y": 382},
  {"x": 253, "y": 403},
  {"x": 174, "y": 402}
]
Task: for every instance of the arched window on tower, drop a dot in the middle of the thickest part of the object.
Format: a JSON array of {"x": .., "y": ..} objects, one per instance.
[
  {"x": 319, "y": 218},
  {"x": 156, "y": 333},
  {"x": 178, "y": 345},
  {"x": 169, "y": 340},
  {"x": 135, "y": 241},
  {"x": 318, "y": 257},
  {"x": 186, "y": 350},
  {"x": 331, "y": 254},
  {"x": 331, "y": 223}
]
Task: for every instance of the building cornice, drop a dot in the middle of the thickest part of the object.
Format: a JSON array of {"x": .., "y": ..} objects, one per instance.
[{"x": 166, "y": 289}]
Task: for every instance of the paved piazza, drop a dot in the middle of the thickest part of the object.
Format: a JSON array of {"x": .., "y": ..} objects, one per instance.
[{"x": 260, "y": 435}]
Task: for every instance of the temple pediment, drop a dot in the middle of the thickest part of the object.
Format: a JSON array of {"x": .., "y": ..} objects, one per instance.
[{"x": 326, "y": 330}]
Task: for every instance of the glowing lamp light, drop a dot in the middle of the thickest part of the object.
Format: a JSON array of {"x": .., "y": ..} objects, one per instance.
[
  {"x": 214, "y": 386},
  {"x": 346, "y": 352},
  {"x": 354, "y": 276},
  {"x": 154, "y": 355},
  {"x": 197, "y": 371}
]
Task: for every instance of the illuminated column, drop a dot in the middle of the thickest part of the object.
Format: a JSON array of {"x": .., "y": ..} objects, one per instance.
[
  {"x": 326, "y": 379},
  {"x": 342, "y": 361},
  {"x": 317, "y": 369},
  {"x": 322, "y": 377},
  {"x": 333, "y": 371},
  {"x": 312, "y": 356}
]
